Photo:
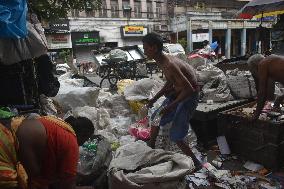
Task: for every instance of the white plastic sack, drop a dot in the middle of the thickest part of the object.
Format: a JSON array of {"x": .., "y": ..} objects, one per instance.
[
  {"x": 67, "y": 84},
  {"x": 216, "y": 90},
  {"x": 125, "y": 140},
  {"x": 241, "y": 84},
  {"x": 142, "y": 89},
  {"x": 103, "y": 118},
  {"x": 116, "y": 104},
  {"x": 119, "y": 125},
  {"x": 137, "y": 166},
  {"x": 77, "y": 97},
  {"x": 108, "y": 135},
  {"x": 88, "y": 112},
  {"x": 16, "y": 50},
  {"x": 118, "y": 54},
  {"x": 208, "y": 72}
]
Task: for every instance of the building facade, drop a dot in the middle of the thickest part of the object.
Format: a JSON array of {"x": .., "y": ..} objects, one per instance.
[
  {"x": 118, "y": 23},
  {"x": 215, "y": 20},
  {"x": 125, "y": 22}
]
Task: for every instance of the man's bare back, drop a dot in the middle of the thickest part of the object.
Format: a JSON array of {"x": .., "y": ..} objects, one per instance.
[
  {"x": 274, "y": 66},
  {"x": 174, "y": 67},
  {"x": 271, "y": 67}
]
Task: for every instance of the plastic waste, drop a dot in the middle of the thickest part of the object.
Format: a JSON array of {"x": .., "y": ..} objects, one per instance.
[
  {"x": 90, "y": 146},
  {"x": 13, "y": 19}
]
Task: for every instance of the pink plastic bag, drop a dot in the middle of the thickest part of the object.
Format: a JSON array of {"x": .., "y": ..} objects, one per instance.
[{"x": 140, "y": 129}]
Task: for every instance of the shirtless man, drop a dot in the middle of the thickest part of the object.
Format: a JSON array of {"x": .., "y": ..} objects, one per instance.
[
  {"x": 181, "y": 91},
  {"x": 265, "y": 70}
]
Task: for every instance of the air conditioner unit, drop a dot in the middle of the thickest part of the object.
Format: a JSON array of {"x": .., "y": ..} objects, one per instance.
[
  {"x": 157, "y": 27},
  {"x": 199, "y": 6},
  {"x": 164, "y": 27},
  {"x": 150, "y": 16}
]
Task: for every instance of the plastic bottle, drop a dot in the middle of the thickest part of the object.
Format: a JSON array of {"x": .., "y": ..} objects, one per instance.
[{"x": 90, "y": 146}]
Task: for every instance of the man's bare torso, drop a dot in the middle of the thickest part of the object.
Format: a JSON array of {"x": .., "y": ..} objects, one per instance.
[
  {"x": 184, "y": 69},
  {"x": 274, "y": 65}
]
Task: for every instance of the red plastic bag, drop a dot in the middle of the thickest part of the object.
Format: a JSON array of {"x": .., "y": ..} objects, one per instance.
[{"x": 140, "y": 129}]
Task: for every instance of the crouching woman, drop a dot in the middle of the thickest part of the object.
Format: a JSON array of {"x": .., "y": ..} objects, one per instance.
[{"x": 41, "y": 152}]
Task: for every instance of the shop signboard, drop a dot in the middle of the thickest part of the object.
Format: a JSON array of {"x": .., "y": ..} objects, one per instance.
[
  {"x": 85, "y": 38},
  {"x": 200, "y": 37},
  {"x": 133, "y": 31},
  {"x": 59, "y": 25},
  {"x": 58, "y": 41}
]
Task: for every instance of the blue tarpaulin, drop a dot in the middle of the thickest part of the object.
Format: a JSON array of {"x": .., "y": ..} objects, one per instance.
[{"x": 13, "y": 22}]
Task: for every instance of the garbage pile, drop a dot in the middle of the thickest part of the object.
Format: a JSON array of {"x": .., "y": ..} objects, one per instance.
[
  {"x": 220, "y": 87},
  {"x": 268, "y": 114},
  {"x": 123, "y": 123}
]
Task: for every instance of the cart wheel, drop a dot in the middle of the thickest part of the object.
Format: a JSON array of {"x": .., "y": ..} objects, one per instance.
[{"x": 109, "y": 81}]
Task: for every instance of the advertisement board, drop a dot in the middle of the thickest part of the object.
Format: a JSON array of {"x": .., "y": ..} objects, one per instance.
[
  {"x": 58, "y": 41},
  {"x": 85, "y": 38},
  {"x": 61, "y": 24},
  {"x": 133, "y": 31},
  {"x": 200, "y": 37}
]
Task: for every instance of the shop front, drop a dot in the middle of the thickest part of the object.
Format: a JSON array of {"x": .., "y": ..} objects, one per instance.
[
  {"x": 83, "y": 43},
  {"x": 59, "y": 41},
  {"x": 132, "y": 35}
]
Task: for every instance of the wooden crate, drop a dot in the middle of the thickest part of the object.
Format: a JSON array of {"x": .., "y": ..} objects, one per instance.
[{"x": 258, "y": 141}]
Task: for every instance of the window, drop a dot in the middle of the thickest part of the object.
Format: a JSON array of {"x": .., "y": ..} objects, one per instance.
[
  {"x": 149, "y": 10},
  {"x": 75, "y": 13},
  {"x": 103, "y": 10},
  {"x": 137, "y": 9},
  {"x": 125, "y": 4},
  {"x": 114, "y": 9},
  {"x": 159, "y": 10}
]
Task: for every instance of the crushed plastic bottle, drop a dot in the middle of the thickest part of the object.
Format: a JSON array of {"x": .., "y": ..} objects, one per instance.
[
  {"x": 154, "y": 116},
  {"x": 90, "y": 146}
]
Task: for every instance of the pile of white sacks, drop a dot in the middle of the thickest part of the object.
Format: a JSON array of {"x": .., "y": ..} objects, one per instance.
[
  {"x": 112, "y": 116},
  {"x": 110, "y": 113}
]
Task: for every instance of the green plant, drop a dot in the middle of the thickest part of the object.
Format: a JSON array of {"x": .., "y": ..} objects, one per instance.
[
  {"x": 64, "y": 54},
  {"x": 54, "y": 9},
  {"x": 183, "y": 42}
]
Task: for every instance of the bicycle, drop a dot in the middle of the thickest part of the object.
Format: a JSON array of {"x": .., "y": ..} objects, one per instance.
[{"x": 117, "y": 70}]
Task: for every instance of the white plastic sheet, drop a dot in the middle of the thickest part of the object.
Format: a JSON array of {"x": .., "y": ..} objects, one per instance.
[
  {"x": 77, "y": 97},
  {"x": 88, "y": 112},
  {"x": 160, "y": 169},
  {"x": 142, "y": 89}
]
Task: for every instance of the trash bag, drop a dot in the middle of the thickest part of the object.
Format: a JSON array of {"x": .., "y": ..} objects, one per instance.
[
  {"x": 118, "y": 55},
  {"x": 137, "y": 166},
  {"x": 241, "y": 84},
  {"x": 16, "y": 50},
  {"x": 208, "y": 72},
  {"x": 94, "y": 159},
  {"x": 13, "y": 19},
  {"x": 216, "y": 90},
  {"x": 142, "y": 89}
]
